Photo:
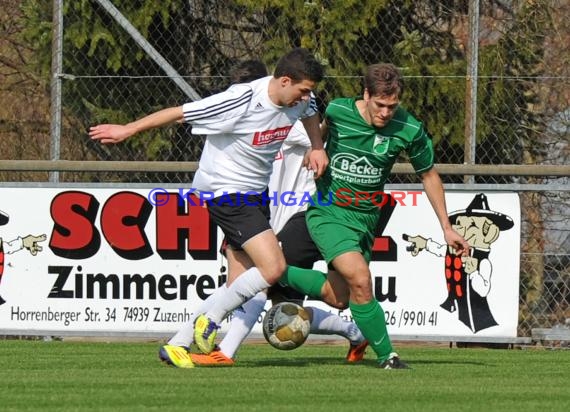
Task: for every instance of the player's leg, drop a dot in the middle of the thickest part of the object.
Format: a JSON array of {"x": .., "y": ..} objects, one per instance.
[
  {"x": 300, "y": 250},
  {"x": 245, "y": 316},
  {"x": 351, "y": 258},
  {"x": 185, "y": 335},
  {"x": 364, "y": 308},
  {"x": 176, "y": 351},
  {"x": 323, "y": 322},
  {"x": 301, "y": 253},
  {"x": 269, "y": 263},
  {"x": 243, "y": 319},
  {"x": 345, "y": 238},
  {"x": 245, "y": 225}
]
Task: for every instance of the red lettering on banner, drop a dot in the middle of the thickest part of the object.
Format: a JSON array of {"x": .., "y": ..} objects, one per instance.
[
  {"x": 123, "y": 219},
  {"x": 181, "y": 227},
  {"x": 175, "y": 224},
  {"x": 270, "y": 136},
  {"x": 74, "y": 234},
  {"x": 381, "y": 244}
]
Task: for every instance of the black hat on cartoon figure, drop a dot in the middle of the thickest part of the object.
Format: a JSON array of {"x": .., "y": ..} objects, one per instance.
[
  {"x": 480, "y": 207},
  {"x": 4, "y": 218}
]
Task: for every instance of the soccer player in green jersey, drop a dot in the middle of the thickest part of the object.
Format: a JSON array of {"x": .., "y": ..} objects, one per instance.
[{"x": 365, "y": 137}]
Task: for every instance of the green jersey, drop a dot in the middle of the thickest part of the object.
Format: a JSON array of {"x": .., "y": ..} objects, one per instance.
[{"x": 361, "y": 156}]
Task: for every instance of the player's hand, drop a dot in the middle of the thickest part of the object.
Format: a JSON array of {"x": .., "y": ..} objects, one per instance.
[
  {"x": 31, "y": 243},
  {"x": 110, "y": 133},
  {"x": 457, "y": 242},
  {"x": 318, "y": 162}
]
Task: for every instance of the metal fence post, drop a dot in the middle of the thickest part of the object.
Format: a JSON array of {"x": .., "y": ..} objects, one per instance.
[
  {"x": 56, "y": 70},
  {"x": 471, "y": 87}
]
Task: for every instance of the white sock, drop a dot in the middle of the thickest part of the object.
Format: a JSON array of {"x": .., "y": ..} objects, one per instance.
[
  {"x": 185, "y": 335},
  {"x": 327, "y": 323},
  {"x": 242, "y": 322},
  {"x": 241, "y": 290}
]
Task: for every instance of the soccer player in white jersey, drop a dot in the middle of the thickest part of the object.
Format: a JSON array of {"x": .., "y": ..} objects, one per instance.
[
  {"x": 290, "y": 182},
  {"x": 245, "y": 127},
  {"x": 288, "y": 221}
]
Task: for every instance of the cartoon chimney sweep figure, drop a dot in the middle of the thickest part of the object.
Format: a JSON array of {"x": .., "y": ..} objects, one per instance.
[
  {"x": 469, "y": 281},
  {"x": 4, "y": 218},
  {"x": 28, "y": 242}
]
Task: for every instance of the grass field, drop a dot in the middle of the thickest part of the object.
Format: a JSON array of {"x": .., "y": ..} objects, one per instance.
[{"x": 81, "y": 376}]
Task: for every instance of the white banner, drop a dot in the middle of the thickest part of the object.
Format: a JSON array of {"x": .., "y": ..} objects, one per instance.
[{"x": 105, "y": 261}]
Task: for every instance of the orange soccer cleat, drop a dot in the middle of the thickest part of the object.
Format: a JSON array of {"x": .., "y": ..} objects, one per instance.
[
  {"x": 356, "y": 352},
  {"x": 214, "y": 358}
]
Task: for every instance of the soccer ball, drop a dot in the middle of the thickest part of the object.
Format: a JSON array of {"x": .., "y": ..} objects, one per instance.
[{"x": 286, "y": 326}]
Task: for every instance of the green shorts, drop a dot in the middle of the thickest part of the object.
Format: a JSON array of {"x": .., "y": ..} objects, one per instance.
[{"x": 337, "y": 230}]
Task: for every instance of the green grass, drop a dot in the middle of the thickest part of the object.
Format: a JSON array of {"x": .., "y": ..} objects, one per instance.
[{"x": 81, "y": 376}]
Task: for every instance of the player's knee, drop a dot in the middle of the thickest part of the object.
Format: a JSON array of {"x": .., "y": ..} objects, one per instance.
[
  {"x": 273, "y": 273},
  {"x": 361, "y": 290}
]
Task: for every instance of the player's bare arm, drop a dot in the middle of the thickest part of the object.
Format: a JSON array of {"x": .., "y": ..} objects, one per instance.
[
  {"x": 318, "y": 160},
  {"x": 324, "y": 130},
  {"x": 116, "y": 133},
  {"x": 435, "y": 193}
]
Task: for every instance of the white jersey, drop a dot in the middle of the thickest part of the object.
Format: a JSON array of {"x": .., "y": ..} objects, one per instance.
[
  {"x": 290, "y": 181},
  {"x": 245, "y": 131}
]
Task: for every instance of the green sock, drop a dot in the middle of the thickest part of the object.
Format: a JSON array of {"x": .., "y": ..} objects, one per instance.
[
  {"x": 369, "y": 317},
  {"x": 307, "y": 281}
]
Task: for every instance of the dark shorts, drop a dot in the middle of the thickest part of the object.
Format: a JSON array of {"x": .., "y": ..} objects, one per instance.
[
  {"x": 299, "y": 250},
  {"x": 297, "y": 244},
  {"x": 240, "y": 217}
]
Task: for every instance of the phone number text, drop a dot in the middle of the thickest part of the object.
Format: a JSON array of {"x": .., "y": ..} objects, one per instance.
[{"x": 405, "y": 317}]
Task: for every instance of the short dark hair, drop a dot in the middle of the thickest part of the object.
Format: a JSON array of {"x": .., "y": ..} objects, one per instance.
[
  {"x": 383, "y": 79},
  {"x": 248, "y": 71},
  {"x": 299, "y": 64}
]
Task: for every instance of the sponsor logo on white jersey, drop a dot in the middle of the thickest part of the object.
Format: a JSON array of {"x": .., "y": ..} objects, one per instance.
[{"x": 270, "y": 136}]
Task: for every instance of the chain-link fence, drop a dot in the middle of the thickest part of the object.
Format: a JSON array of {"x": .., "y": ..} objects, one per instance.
[{"x": 490, "y": 79}]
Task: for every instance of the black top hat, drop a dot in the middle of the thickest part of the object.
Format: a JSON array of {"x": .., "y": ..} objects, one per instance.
[
  {"x": 3, "y": 218},
  {"x": 480, "y": 207}
]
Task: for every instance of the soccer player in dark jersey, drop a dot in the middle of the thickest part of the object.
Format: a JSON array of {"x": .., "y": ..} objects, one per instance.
[{"x": 365, "y": 136}]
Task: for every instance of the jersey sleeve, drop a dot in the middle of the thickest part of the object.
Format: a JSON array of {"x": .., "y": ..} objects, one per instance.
[
  {"x": 421, "y": 152},
  {"x": 298, "y": 136},
  {"x": 311, "y": 109},
  {"x": 218, "y": 113}
]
